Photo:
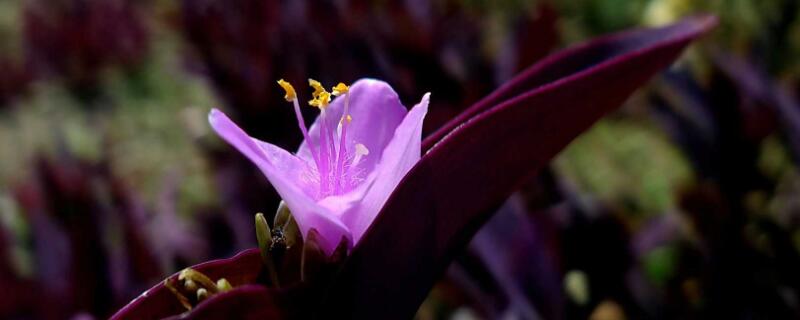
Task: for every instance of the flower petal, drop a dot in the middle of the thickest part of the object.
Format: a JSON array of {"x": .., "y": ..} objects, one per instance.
[
  {"x": 284, "y": 172},
  {"x": 376, "y": 112},
  {"x": 400, "y": 155},
  {"x": 473, "y": 167}
]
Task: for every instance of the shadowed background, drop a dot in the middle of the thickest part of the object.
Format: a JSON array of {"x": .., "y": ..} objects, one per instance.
[{"x": 681, "y": 205}]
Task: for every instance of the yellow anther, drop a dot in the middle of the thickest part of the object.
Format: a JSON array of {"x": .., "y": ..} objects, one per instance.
[
  {"x": 321, "y": 100},
  {"x": 318, "y": 89},
  {"x": 202, "y": 294},
  {"x": 290, "y": 94},
  {"x": 340, "y": 89},
  {"x": 223, "y": 285},
  {"x": 321, "y": 97},
  {"x": 349, "y": 118}
]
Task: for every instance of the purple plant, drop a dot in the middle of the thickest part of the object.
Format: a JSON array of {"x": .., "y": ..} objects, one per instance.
[
  {"x": 467, "y": 169},
  {"x": 76, "y": 39}
]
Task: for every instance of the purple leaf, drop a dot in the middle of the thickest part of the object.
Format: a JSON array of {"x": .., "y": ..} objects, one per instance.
[
  {"x": 476, "y": 161},
  {"x": 609, "y": 49},
  {"x": 523, "y": 270},
  {"x": 245, "y": 302},
  {"x": 753, "y": 83},
  {"x": 159, "y": 302}
]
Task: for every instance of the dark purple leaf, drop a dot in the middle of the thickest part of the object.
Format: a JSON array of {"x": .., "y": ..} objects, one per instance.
[
  {"x": 580, "y": 59},
  {"x": 512, "y": 263},
  {"x": 475, "y": 162},
  {"x": 77, "y": 39},
  {"x": 754, "y": 84},
  {"x": 245, "y": 302},
  {"x": 159, "y": 302},
  {"x": 524, "y": 269}
]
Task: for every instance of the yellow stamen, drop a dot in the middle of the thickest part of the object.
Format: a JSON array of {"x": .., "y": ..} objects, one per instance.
[
  {"x": 202, "y": 294},
  {"x": 340, "y": 89},
  {"x": 321, "y": 100},
  {"x": 321, "y": 97},
  {"x": 290, "y": 94},
  {"x": 223, "y": 285},
  {"x": 318, "y": 89},
  {"x": 349, "y": 118}
]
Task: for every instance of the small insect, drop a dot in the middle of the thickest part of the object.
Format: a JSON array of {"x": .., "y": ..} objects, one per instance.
[{"x": 278, "y": 240}]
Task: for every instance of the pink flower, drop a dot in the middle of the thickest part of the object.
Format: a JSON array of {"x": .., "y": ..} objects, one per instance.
[{"x": 352, "y": 158}]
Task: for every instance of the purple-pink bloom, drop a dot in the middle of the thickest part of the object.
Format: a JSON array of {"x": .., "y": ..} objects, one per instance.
[{"x": 348, "y": 165}]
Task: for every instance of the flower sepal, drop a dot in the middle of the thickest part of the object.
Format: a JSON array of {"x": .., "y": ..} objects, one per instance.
[
  {"x": 315, "y": 265},
  {"x": 287, "y": 257}
]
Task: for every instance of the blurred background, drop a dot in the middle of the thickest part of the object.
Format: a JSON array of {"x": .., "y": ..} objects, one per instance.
[{"x": 685, "y": 204}]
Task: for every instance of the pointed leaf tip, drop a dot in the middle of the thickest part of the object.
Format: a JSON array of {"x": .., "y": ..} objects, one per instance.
[{"x": 474, "y": 163}]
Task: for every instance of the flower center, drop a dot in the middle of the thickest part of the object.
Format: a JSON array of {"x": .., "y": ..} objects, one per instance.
[{"x": 335, "y": 167}]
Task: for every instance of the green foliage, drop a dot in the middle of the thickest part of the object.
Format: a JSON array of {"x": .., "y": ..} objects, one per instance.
[
  {"x": 659, "y": 264},
  {"x": 146, "y": 125},
  {"x": 626, "y": 161},
  {"x": 153, "y": 131}
]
